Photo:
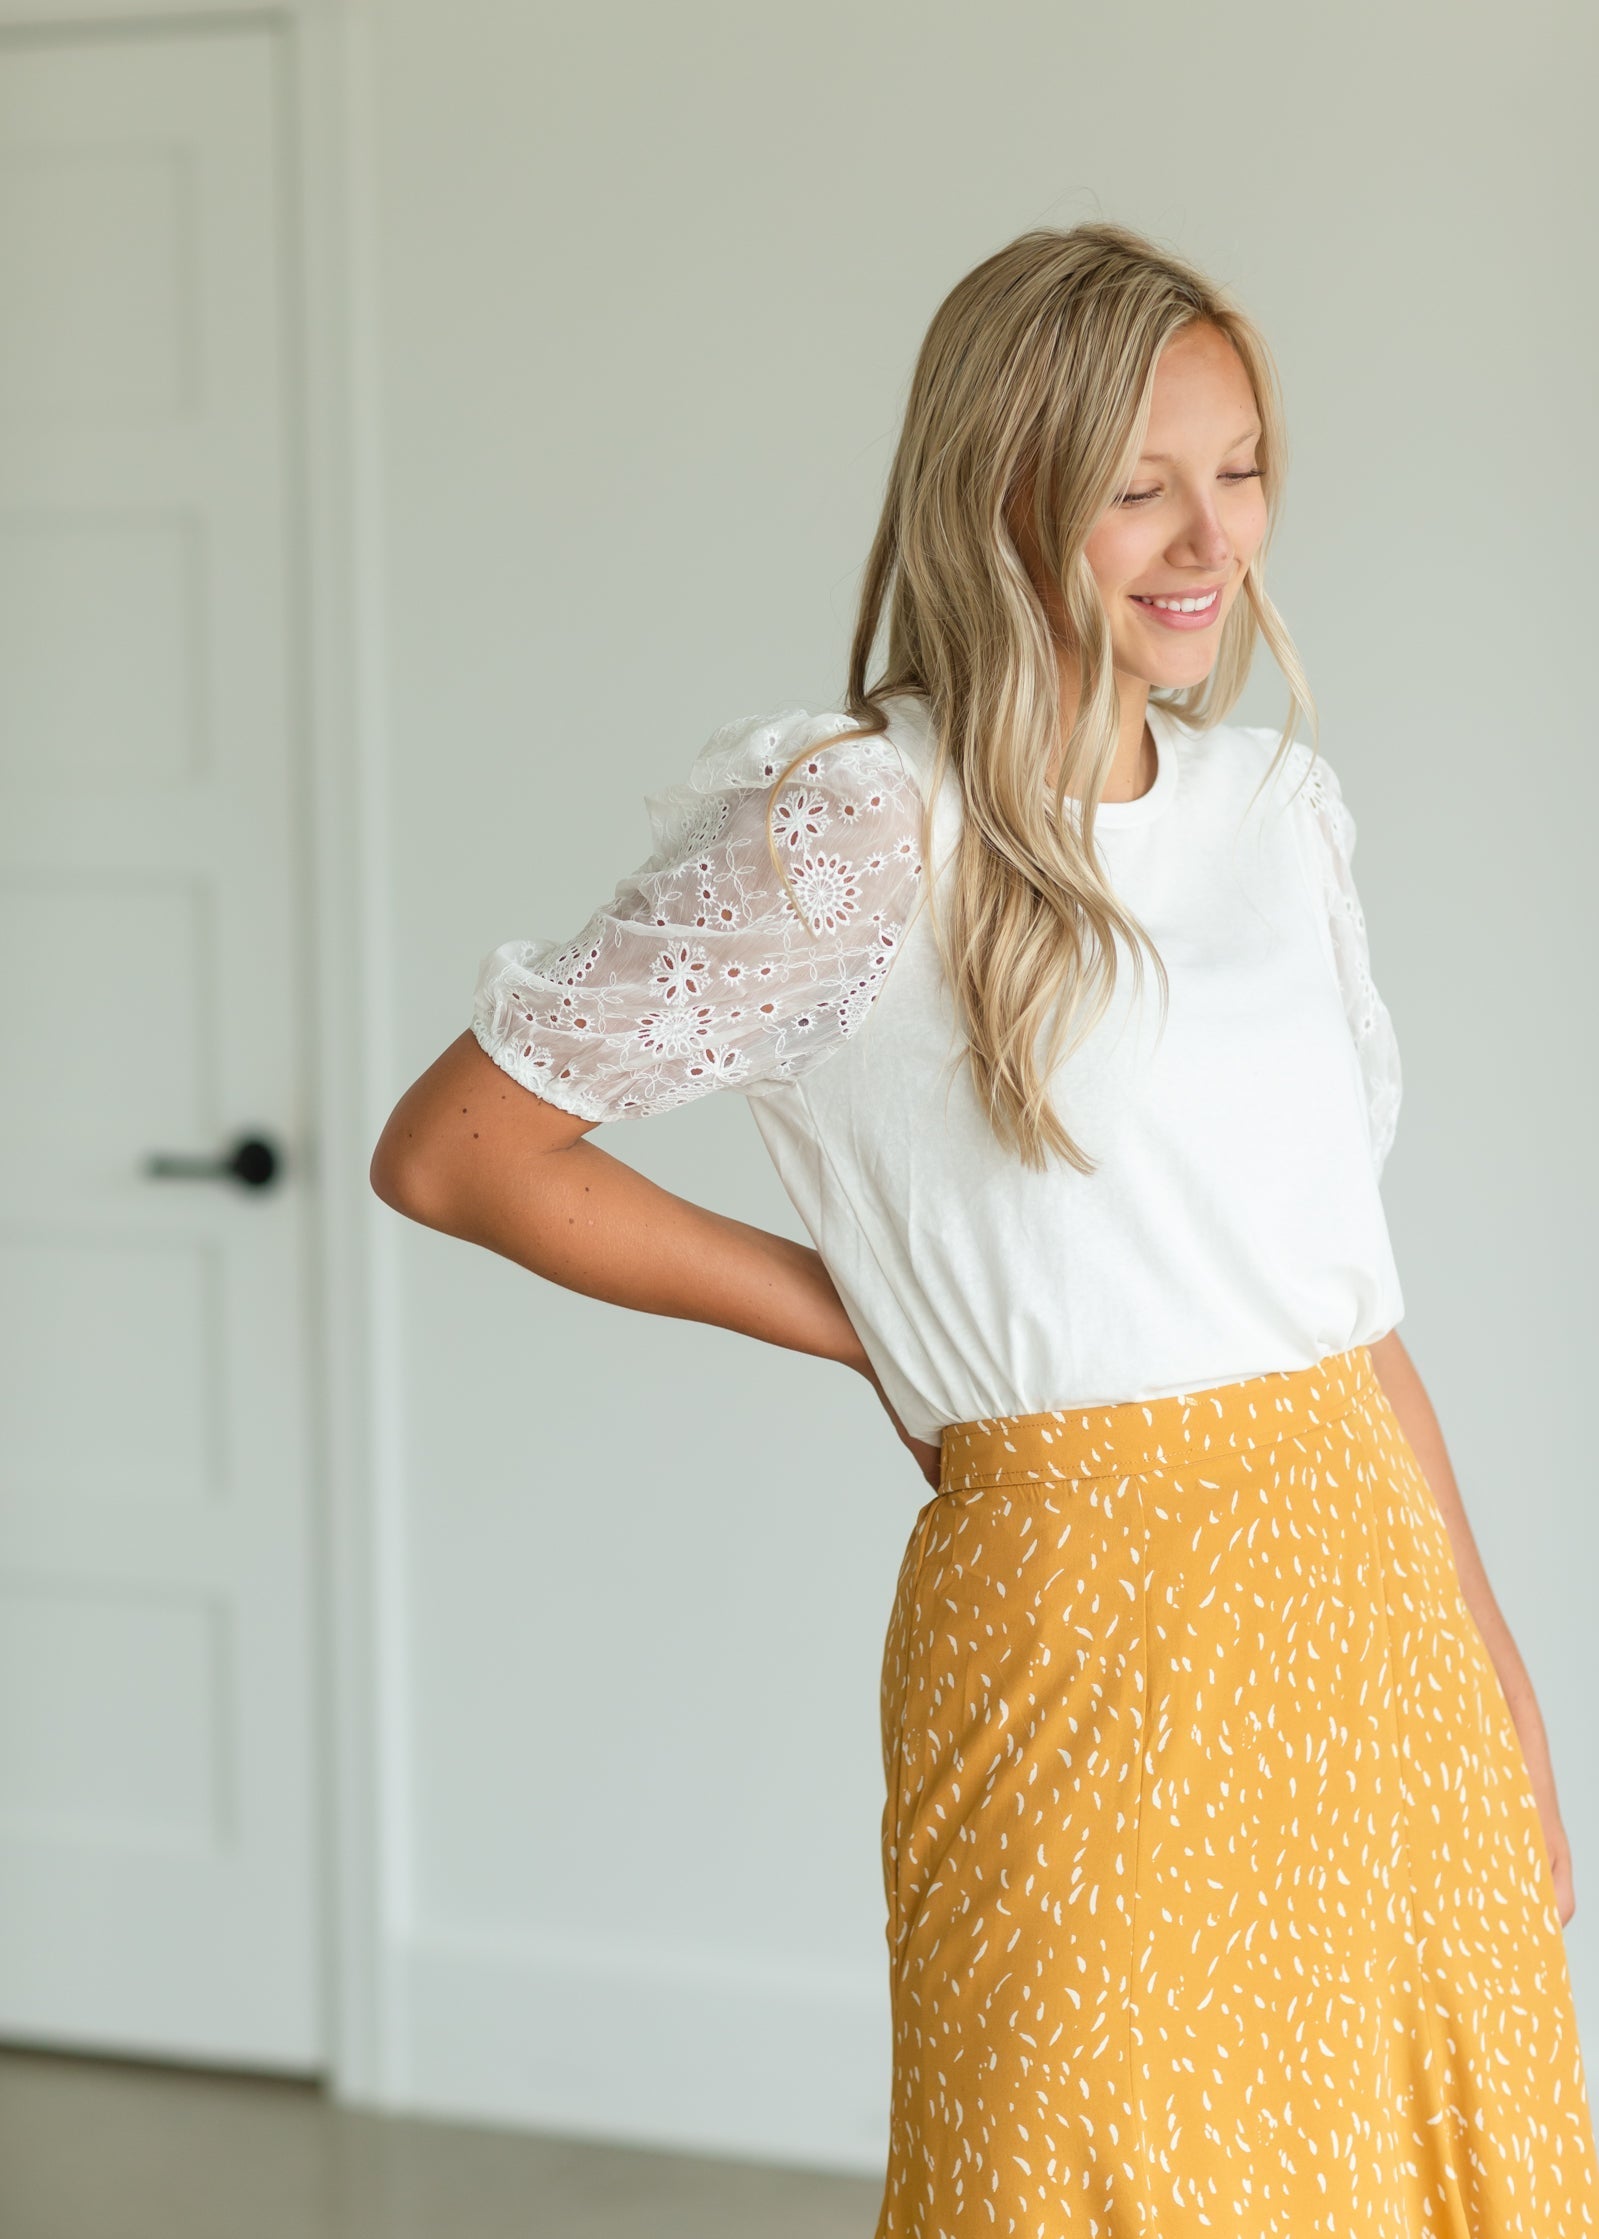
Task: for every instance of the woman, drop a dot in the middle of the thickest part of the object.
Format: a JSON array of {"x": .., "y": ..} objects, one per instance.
[{"x": 1224, "y": 1866}]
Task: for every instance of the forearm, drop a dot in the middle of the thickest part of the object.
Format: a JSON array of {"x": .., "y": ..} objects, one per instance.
[
  {"x": 473, "y": 1154},
  {"x": 594, "y": 1224}
]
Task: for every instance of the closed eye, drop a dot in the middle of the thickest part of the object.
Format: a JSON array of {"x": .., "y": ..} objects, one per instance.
[{"x": 1137, "y": 497}]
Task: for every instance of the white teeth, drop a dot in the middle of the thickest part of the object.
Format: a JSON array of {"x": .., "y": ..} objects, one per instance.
[{"x": 1183, "y": 606}]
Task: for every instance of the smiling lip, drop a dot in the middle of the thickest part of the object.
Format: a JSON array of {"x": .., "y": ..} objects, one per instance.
[{"x": 1173, "y": 619}]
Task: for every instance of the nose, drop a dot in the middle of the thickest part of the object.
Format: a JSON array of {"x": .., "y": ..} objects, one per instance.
[{"x": 1204, "y": 542}]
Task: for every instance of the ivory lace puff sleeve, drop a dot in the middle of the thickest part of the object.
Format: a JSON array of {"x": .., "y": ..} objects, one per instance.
[
  {"x": 1329, "y": 828},
  {"x": 701, "y": 973}
]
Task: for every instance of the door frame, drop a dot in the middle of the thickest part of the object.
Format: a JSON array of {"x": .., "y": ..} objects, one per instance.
[{"x": 325, "y": 51}]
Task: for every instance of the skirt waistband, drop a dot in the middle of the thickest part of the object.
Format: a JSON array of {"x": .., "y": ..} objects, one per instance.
[{"x": 1138, "y": 1435}]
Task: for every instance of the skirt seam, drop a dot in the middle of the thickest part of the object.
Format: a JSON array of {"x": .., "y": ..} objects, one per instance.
[
  {"x": 1380, "y": 1597},
  {"x": 1135, "y": 2103}
]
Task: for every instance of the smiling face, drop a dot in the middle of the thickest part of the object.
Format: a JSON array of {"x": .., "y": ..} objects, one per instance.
[
  {"x": 1184, "y": 528},
  {"x": 1189, "y": 519}
]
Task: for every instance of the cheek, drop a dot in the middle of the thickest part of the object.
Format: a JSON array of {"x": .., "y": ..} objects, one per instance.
[
  {"x": 1246, "y": 524},
  {"x": 1120, "y": 550}
]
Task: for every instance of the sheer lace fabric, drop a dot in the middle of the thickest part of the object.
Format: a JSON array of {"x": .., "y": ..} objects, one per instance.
[
  {"x": 701, "y": 973},
  {"x": 1332, "y": 833}
]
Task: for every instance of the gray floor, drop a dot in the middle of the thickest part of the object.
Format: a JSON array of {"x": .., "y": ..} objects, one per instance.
[{"x": 93, "y": 2149}]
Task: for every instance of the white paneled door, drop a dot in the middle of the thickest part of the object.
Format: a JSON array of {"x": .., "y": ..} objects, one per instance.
[{"x": 159, "y": 1835}]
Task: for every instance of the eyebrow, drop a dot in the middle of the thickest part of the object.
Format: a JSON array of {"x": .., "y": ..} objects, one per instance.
[{"x": 1163, "y": 458}]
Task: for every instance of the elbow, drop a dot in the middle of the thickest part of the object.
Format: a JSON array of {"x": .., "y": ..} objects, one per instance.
[
  {"x": 404, "y": 1178},
  {"x": 460, "y": 1139},
  {"x": 387, "y": 1174}
]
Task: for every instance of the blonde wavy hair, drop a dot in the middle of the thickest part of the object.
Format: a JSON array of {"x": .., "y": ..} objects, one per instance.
[{"x": 1036, "y": 376}]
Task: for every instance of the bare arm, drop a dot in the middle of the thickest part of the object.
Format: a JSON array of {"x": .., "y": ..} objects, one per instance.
[
  {"x": 1407, "y": 1395},
  {"x": 472, "y": 1153}
]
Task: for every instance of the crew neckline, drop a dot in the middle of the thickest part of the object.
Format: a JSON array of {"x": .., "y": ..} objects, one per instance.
[{"x": 1166, "y": 730}]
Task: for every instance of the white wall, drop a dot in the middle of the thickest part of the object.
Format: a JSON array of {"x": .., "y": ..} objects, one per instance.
[{"x": 649, "y": 284}]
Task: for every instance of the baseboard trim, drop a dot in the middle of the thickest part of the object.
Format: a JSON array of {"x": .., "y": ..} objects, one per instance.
[{"x": 687, "y": 2051}]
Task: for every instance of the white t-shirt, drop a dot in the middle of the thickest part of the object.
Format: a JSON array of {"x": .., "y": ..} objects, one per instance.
[{"x": 1234, "y": 1223}]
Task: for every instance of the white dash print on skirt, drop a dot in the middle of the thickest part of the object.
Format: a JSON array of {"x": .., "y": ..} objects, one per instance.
[{"x": 1218, "y": 1899}]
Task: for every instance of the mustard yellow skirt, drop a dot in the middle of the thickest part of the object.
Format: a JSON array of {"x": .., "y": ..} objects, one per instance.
[{"x": 1218, "y": 1899}]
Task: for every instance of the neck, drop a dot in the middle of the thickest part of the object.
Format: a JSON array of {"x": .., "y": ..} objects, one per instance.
[{"x": 1137, "y": 761}]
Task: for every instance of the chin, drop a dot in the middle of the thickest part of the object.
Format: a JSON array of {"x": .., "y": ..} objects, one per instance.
[{"x": 1171, "y": 676}]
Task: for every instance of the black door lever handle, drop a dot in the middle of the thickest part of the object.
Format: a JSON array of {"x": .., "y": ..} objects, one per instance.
[{"x": 253, "y": 1161}]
